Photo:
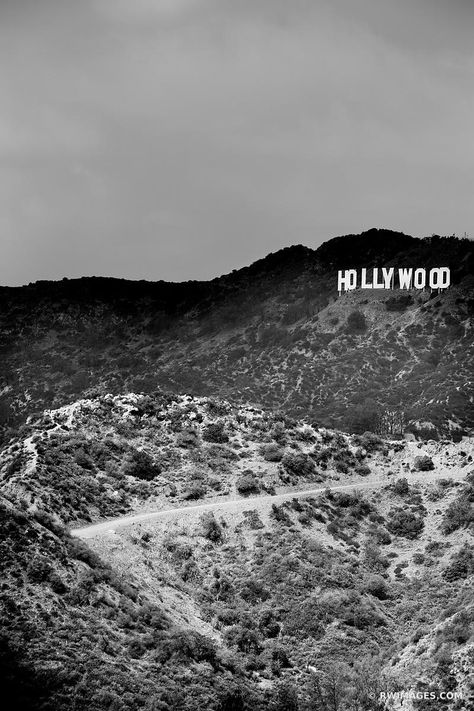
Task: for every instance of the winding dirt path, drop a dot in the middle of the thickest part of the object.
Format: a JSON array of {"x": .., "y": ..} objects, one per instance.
[{"x": 243, "y": 504}]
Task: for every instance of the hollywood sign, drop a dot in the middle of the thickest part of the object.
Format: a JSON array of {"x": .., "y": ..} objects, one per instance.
[{"x": 437, "y": 278}]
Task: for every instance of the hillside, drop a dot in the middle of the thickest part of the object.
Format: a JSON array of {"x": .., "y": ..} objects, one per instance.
[
  {"x": 269, "y": 606},
  {"x": 274, "y": 334}
]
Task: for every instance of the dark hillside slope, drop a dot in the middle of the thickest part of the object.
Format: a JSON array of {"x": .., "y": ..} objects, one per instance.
[{"x": 274, "y": 333}]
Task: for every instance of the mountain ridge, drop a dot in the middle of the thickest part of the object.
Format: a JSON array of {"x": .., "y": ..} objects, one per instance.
[{"x": 265, "y": 333}]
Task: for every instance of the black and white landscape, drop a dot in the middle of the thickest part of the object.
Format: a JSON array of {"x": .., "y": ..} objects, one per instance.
[
  {"x": 236, "y": 451},
  {"x": 247, "y": 493}
]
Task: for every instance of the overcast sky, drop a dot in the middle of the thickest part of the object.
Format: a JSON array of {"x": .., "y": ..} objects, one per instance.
[{"x": 177, "y": 139}]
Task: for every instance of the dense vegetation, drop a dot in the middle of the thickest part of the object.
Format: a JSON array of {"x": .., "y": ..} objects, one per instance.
[
  {"x": 280, "y": 605},
  {"x": 274, "y": 333}
]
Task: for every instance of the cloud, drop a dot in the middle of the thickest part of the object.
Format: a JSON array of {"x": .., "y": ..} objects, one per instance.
[
  {"x": 144, "y": 10},
  {"x": 181, "y": 139}
]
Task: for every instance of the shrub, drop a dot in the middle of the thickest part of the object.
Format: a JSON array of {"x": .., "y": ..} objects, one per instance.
[
  {"x": 211, "y": 529},
  {"x": 380, "y": 535},
  {"x": 38, "y": 569},
  {"x": 398, "y": 303},
  {"x": 403, "y": 522},
  {"x": 187, "y": 438},
  {"x": 286, "y": 697},
  {"x": 272, "y": 452},
  {"x": 307, "y": 620},
  {"x": 254, "y": 591},
  {"x": 356, "y": 322},
  {"x": 424, "y": 463},
  {"x": 214, "y": 432},
  {"x": 57, "y": 585},
  {"x": 247, "y": 483},
  {"x": 253, "y": 520},
  {"x": 140, "y": 465},
  {"x": 373, "y": 558},
  {"x": 365, "y": 416},
  {"x": 245, "y": 639},
  {"x": 268, "y": 624},
  {"x": 369, "y": 441},
  {"x": 362, "y": 470},
  {"x": 377, "y": 587},
  {"x": 298, "y": 464},
  {"x": 279, "y": 514},
  {"x": 83, "y": 460},
  {"x": 461, "y": 564},
  {"x": 401, "y": 487},
  {"x": 195, "y": 490},
  {"x": 460, "y": 512}
]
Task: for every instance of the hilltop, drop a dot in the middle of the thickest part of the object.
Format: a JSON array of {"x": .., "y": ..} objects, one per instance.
[
  {"x": 231, "y": 608},
  {"x": 275, "y": 334}
]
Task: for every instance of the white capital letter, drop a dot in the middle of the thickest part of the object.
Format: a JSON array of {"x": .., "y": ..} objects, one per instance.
[
  {"x": 387, "y": 277},
  {"x": 377, "y": 284},
  {"x": 363, "y": 283},
  {"x": 440, "y": 278},
  {"x": 404, "y": 277},
  {"x": 348, "y": 280},
  {"x": 419, "y": 278}
]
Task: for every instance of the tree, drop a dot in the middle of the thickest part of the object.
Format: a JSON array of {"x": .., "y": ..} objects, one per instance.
[
  {"x": 329, "y": 688},
  {"x": 287, "y": 697},
  {"x": 365, "y": 417}
]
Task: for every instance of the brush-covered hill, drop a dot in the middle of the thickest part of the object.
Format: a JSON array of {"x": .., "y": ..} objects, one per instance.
[
  {"x": 259, "y": 603},
  {"x": 274, "y": 333},
  {"x": 116, "y": 454}
]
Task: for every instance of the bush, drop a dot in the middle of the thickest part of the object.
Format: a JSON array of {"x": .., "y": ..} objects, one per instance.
[
  {"x": 380, "y": 535},
  {"x": 57, "y": 585},
  {"x": 364, "y": 417},
  {"x": 356, "y": 322},
  {"x": 298, "y": 464},
  {"x": 362, "y": 470},
  {"x": 211, "y": 529},
  {"x": 424, "y": 463},
  {"x": 377, "y": 587},
  {"x": 247, "y": 484},
  {"x": 245, "y": 639},
  {"x": 401, "y": 487},
  {"x": 373, "y": 558},
  {"x": 214, "y": 432},
  {"x": 403, "y": 522},
  {"x": 461, "y": 564},
  {"x": 38, "y": 569},
  {"x": 279, "y": 514},
  {"x": 187, "y": 438},
  {"x": 460, "y": 512},
  {"x": 140, "y": 465},
  {"x": 398, "y": 303},
  {"x": 369, "y": 441},
  {"x": 272, "y": 452},
  {"x": 194, "y": 491}
]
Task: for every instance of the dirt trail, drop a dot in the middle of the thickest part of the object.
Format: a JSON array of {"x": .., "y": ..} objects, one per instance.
[{"x": 242, "y": 504}]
